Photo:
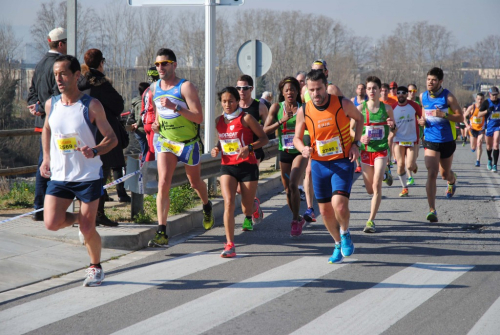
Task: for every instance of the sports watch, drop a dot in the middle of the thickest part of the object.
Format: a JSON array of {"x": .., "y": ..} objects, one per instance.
[
  {"x": 94, "y": 150},
  {"x": 357, "y": 143},
  {"x": 178, "y": 108}
]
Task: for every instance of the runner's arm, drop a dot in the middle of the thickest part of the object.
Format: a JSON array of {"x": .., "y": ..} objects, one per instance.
[
  {"x": 46, "y": 134},
  {"x": 335, "y": 90},
  {"x": 300, "y": 127},
  {"x": 483, "y": 109},
  {"x": 263, "y": 112},
  {"x": 250, "y": 122},
  {"x": 98, "y": 116},
  {"x": 271, "y": 123},
  {"x": 354, "y": 114},
  {"x": 390, "y": 112},
  {"x": 457, "y": 115},
  {"x": 421, "y": 121}
]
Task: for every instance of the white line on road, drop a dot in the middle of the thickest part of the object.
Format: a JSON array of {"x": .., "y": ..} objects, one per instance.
[
  {"x": 489, "y": 324},
  {"x": 213, "y": 309},
  {"x": 387, "y": 302},
  {"x": 41, "y": 312}
]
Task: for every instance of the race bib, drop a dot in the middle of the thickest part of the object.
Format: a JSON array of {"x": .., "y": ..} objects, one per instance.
[
  {"x": 406, "y": 144},
  {"x": 328, "y": 147},
  {"x": 287, "y": 142},
  {"x": 495, "y": 116},
  {"x": 375, "y": 133},
  {"x": 230, "y": 147},
  {"x": 68, "y": 143},
  {"x": 477, "y": 120},
  {"x": 170, "y": 146}
]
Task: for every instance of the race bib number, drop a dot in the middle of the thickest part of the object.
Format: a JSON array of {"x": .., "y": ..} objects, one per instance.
[
  {"x": 495, "y": 116},
  {"x": 375, "y": 133},
  {"x": 477, "y": 120},
  {"x": 171, "y": 146},
  {"x": 406, "y": 144},
  {"x": 329, "y": 147},
  {"x": 67, "y": 143},
  {"x": 230, "y": 147},
  {"x": 287, "y": 142}
]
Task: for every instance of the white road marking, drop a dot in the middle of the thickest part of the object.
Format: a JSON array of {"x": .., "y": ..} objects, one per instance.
[
  {"x": 213, "y": 309},
  {"x": 375, "y": 310}
]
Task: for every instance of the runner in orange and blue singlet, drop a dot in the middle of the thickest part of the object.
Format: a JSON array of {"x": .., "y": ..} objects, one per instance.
[{"x": 333, "y": 152}]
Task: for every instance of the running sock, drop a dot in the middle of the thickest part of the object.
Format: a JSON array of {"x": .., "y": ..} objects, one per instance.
[
  {"x": 495, "y": 157},
  {"x": 98, "y": 265},
  {"x": 342, "y": 232},
  {"x": 489, "y": 154},
  {"x": 249, "y": 217},
  {"x": 403, "y": 179},
  {"x": 208, "y": 206},
  {"x": 162, "y": 229}
]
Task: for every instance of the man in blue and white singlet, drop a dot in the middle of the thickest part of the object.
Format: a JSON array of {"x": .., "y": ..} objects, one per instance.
[
  {"x": 178, "y": 118},
  {"x": 490, "y": 109},
  {"x": 70, "y": 159},
  {"x": 440, "y": 113}
]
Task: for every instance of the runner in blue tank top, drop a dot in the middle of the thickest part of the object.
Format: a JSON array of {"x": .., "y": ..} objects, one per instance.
[
  {"x": 178, "y": 116},
  {"x": 440, "y": 112},
  {"x": 490, "y": 109}
]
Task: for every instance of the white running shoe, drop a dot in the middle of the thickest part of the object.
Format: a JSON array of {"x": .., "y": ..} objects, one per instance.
[{"x": 94, "y": 277}]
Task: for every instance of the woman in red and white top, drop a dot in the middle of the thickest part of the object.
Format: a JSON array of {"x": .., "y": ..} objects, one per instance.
[{"x": 236, "y": 130}]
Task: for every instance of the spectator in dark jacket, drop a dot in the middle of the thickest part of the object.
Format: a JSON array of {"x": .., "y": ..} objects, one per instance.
[
  {"x": 43, "y": 87},
  {"x": 97, "y": 85},
  {"x": 138, "y": 126}
]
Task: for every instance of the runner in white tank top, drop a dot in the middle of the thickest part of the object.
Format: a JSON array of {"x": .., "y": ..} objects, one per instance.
[{"x": 70, "y": 159}]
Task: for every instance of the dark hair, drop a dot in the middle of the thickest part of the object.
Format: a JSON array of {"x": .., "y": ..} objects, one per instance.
[
  {"x": 385, "y": 85},
  {"x": 481, "y": 94},
  {"x": 55, "y": 44},
  {"x": 142, "y": 87},
  {"x": 364, "y": 86},
  {"x": 74, "y": 64},
  {"x": 167, "y": 53},
  {"x": 247, "y": 78},
  {"x": 315, "y": 75},
  {"x": 294, "y": 82},
  {"x": 231, "y": 90},
  {"x": 437, "y": 72},
  {"x": 301, "y": 72},
  {"x": 376, "y": 80},
  {"x": 413, "y": 86},
  {"x": 93, "y": 58}
]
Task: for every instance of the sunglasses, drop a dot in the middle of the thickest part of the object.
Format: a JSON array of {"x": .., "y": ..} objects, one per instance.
[
  {"x": 412, "y": 91},
  {"x": 103, "y": 60},
  {"x": 164, "y": 63},
  {"x": 393, "y": 88},
  {"x": 402, "y": 92},
  {"x": 243, "y": 88}
]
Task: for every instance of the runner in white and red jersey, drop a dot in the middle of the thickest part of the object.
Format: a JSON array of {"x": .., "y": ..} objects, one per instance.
[{"x": 406, "y": 136}]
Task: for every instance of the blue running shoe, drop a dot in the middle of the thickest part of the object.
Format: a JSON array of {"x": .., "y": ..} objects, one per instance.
[
  {"x": 309, "y": 215},
  {"x": 490, "y": 166},
  {"x": 478, "y": 163},
  {"x": 494, "y": 168},
  {"x": 336, "y": 256},
  {"x": 347, "y": 247},
  {"x": 432, "y": 216},
  {"x": 450, "y": 191}
]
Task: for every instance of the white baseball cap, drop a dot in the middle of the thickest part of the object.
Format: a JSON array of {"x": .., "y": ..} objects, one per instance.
[{"x": 57, "y": 34}]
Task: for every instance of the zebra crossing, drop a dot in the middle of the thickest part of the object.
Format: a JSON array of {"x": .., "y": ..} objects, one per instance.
[{"x": 395, "y": 297}]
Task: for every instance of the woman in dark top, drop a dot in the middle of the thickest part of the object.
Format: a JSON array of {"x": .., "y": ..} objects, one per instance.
[{"x": 94, "y": 83}]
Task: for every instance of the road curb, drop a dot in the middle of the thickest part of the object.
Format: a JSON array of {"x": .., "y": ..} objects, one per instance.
[{"x": 181, "y": 223}]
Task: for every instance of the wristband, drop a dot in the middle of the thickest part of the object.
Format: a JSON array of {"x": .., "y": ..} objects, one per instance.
[{"x": 250, "y": 148}]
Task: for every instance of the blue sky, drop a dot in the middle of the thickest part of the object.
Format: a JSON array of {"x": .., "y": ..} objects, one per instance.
[{"x": 469, "y": 21}]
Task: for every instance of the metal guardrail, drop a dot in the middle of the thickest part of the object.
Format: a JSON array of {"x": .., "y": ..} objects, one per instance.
[
  {"x": 210, "y": 167},
  {"x": 19, "y": 132}
]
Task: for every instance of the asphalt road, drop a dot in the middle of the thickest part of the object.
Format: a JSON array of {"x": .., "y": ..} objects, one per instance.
[{"x": 410, "y": 277}]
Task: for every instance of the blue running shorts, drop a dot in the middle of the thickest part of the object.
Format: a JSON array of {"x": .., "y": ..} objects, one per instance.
[{"x": 332, "y": 177}]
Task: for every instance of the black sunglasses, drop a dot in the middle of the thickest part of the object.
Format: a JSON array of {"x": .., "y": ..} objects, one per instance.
[{"x": 243, "y": 88}]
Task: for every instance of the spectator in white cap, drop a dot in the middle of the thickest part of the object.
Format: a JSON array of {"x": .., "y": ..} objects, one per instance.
[{"x": 43, "y": 87}]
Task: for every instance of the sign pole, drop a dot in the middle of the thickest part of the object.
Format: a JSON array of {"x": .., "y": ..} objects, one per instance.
[{"x": 210, "y": 84}]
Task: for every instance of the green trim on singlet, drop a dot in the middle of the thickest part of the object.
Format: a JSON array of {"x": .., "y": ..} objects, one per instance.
[
  {"x": 290, "y": 124},
  {"x": 379, "y": 117}
]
